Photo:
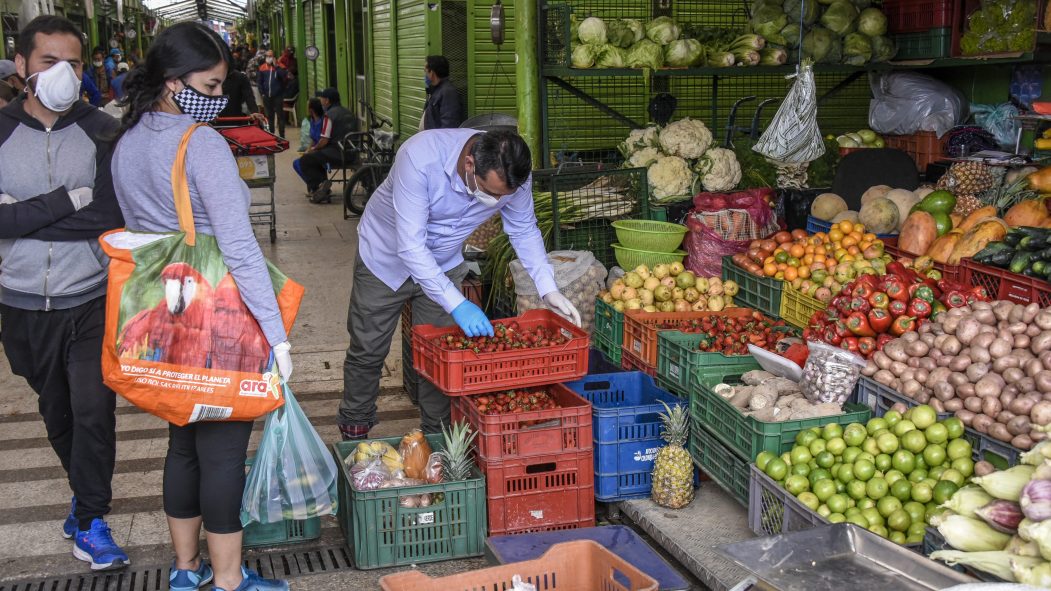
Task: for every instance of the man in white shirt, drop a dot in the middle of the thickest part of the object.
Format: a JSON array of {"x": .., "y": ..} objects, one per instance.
[{"x": 443, "y": 185}]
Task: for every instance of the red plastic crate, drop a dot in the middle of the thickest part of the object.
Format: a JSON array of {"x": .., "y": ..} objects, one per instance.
[
  {"x": 1005, "y": 285},
  {"x": 952, "y": 273},
  {"x": 640, "y": 332},
  {"x": 505, "y": 436},
  {"x": 457, "y": 372},
  {"x": 540, "y": 493},
  {"x": 918, "y": 16},
  {"x": 924, "y": 146},
  {"x": 633, "y": 363}
]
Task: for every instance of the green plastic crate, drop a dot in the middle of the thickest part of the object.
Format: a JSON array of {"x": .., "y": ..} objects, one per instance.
[
  {"x": 678, "y": 360},
  {"x": 716, "y": 460},
  {"x": 926, "y": 45},
  {"x": 746, "y": 436},
  {"x": 381, "y": 533},
  {"x": 759, "y": 293},
  {"x": 608, "y": 335},
  {"x": 289, "y": 531}
]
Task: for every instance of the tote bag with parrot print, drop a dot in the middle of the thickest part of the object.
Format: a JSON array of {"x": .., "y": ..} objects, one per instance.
[{"x": 180, "y": 342}]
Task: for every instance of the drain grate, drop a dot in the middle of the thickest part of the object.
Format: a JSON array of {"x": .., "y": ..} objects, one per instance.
[{"x": 280, "y": 565}]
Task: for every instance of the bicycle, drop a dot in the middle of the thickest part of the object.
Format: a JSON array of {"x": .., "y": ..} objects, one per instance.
[{"x": 375, "y": 150}]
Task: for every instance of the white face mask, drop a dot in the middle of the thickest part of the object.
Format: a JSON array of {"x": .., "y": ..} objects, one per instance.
[
  {"x": 484, "y": 198},
  {"x": 269, "y": 60},
  {"x": 57, "y": 88}
]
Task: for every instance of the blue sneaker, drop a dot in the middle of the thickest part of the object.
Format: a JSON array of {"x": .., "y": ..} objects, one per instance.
[
  {"x": 253, "y": 582},
  {"x": 190, "y": 580},
  {"x": 96, "y": 546},
  {"x": 69, "y": 528}
]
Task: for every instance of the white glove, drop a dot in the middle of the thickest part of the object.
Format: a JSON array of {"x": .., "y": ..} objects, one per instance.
[
  {"x": 559, "y": 303},
  {"x": 6, "y": 199},
  {"x": 80, "y": 197},
  {"x": 283, "y": 358}
]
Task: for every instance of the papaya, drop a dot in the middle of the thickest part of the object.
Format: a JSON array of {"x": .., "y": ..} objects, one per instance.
[
  {"x": 990, "y": 229},
  {"x": 1030, "y": 212},
  {"x": 942, "y": 248},
  {"x": 957, "y": 219},
  {"x": 918, "y": 233},
  {"x": 940, "y": 201},
  {"x": 1040, "y": 181},
  {"x": 969, "y": 221}
]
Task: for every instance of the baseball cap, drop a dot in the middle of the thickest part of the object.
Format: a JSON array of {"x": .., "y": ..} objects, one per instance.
[
  {"x": 116, "y": 51},
  {"x": 122, "y": 67},
  {"x": 328, "y": 93},
  {"x": 7, "y": 69}
]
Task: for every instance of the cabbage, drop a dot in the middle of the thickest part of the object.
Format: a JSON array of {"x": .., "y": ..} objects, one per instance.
[
  {"x": 872, "y": 22},
  {"x": 808, "y": 10},
  {"x": 592, "y": 30},
  {"x": 835, "y": 51},
  {"x": 840, "y": 18},
  {"x": 883, "y": 49},
  {"x": 791, "y": 34},
  {"x": 768, "y": 22},
  {"x": 662, "y": 30},
  {"x": 646, "y": 54},
  {"x": 817, "y": 44},
  {"x": 857, "y": 49},
  {"x": 611, "y": 56},
  {"x": 584, "y": 56},
  {"x": 683, "y": 53},
  {"x": 619, "y": 35}
]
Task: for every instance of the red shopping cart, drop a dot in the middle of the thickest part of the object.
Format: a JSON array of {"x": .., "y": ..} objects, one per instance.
[{"x": 255, "y": 147}]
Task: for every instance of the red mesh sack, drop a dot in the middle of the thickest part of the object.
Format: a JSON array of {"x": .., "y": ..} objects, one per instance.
[{"x": 705, "y": 247}]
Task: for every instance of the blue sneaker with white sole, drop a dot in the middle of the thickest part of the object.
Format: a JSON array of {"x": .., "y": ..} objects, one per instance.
[
  {"x": 253, "y": 582},
  {"x": 96, "y": 546},
  {"x": 69, "y": 528},
  {"x": 190, "y": 580}
]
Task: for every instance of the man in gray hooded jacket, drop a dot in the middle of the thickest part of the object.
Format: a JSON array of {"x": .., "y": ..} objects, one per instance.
[{"x": 56, "y": 198}]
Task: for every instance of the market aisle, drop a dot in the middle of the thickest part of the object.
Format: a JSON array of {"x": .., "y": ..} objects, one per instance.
[{"x": 316, "y": 247}]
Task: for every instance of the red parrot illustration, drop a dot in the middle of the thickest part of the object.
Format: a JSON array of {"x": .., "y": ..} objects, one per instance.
[
  {"x": 238, "y": 344},
  {"x": 176, "y": 330}
]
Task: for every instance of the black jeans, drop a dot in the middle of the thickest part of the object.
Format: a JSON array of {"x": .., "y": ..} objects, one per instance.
[
  {"x": 59, "y": 353},
  {"x": 313, "y": 164},
  {"x": 204, "y": 473},
  {"x": 274, "y": 107}
]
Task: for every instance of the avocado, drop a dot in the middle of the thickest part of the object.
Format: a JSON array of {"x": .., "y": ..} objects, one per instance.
[{"x": 937, "y": 202}]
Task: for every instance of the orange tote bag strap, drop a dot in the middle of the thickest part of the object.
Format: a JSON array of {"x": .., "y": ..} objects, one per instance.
[{"x": 181, "y": 187}]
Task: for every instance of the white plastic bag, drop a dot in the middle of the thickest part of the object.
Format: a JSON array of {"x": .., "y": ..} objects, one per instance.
[
  {"x": 578, "y": 276},
  {"x": 907, "y": 102},
  {"x": 830, "y": 373}
]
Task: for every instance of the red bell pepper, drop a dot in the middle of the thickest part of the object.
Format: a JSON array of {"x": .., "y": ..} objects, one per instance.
[
  {"x": 897, "y": 308},
  {"x": 919, "y": 308},
  {"x": 867, "y": 279},
  {"x": 841, "y": 303},
  {"x": 866, "y": 346},
  {"x": 850, "y": 344},
  {"x": 895, "y": 288},
  {"x": 981, "y": 293},
  {"x": 879, "y": 300},
  {"x": 841, "y": 328},
  {"x": 954, "y": 299},
  {"x": 860, "y": 304},
  {"x": 902, "y": 325},
  {"x": 863, "y": 290},
  {"x": 882, "y": 340},
  {"x": 879, "y": 320},
  {"x": 858, "y": 323},
  {"x": 832, "y": 336},
  {"x": 897, "y": 269}
]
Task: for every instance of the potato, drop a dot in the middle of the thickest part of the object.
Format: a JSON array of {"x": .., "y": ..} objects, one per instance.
[
  {"x": 976, "y": 371},
  {"x": 884, "y": 377},
  {"x": 982, "y": 422},
  {"x": 1000, "y": 347},
  {"x": 991, "y": 406},
  {"x": 973, "y": 404},
  {"x": 1022, "y": 441},
  {"x": 953, "y": 404},
  {"x": 1019, "y": 425},
  {"x": 999, "y": 431},
  {"x": 1012, "y": 375},
  {"x": 937, "y": 405},
  {"x": 896, "y": 350}
]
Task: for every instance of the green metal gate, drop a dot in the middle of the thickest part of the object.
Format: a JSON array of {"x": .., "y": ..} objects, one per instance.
[
  {"x": 412, "y": 49},
  {"x": 383, "y": 83}
]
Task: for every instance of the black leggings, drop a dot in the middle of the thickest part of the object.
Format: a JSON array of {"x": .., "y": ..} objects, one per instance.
[{"x": 204, "y": 473}]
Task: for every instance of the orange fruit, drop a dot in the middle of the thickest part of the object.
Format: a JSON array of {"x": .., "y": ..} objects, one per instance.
[
  {"x": 864, "y": 245},
  {"x": 797, "y": 250},
  {"x": 769, "y": 269},
  {"x": 782, "y": 266},
  {"x": 835, "y": 235},
  {"x": 810, "y": 248},
  {"x": 854, "y": 250},
  {"x": 848, "y": 258},
  {"x": 768, "y": 260},
  {"x": 846, "y": 226},
  {"x": 820, "y": 250},
  {"x": 859, "y": 227},
  {"x": 780, "y": 275},
  {"x": 820, "y": 237},
  {"x": 807, "y": 259},
  {"x": 869, "y": 236},
  {"x": 830, "y": 263},
  {"x": 819, "y": 258},
  {"x": 848, "y": 241},
  {"x": 804, "y": 272},
  {"x": 791, "y": 274}
]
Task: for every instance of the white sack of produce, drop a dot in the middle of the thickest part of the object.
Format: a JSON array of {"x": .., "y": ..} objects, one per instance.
[
  {"x": 906, "y": 102},
  {"x": 793, "y": 136},
  {"x": 579, "y": 276}
]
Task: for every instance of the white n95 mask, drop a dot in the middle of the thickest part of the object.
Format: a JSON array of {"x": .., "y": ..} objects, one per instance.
[{"x": 57, "y": 87}]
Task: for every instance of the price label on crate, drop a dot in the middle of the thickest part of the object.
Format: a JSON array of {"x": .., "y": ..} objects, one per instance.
[
  {"x": 536, "y": 514},
  {"x": 673, "y": 371},
  {"x": 648, "y": 455},
  {"x": 565, "y": 333},
  {"x": 425, "y": 518},
  {"x": 636, "y": 345}
]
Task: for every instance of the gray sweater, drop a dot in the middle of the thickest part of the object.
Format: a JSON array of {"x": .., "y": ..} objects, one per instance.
[{"x": 142, "y": 177}]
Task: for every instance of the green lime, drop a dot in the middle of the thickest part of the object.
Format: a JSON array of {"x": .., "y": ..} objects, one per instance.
[
  {"x": 859, "y": 520},
  {"x": 879, "y": 530},
  {"x": 817, "y": 446},
  {"x": 787, "y": 458},
  {"x": 805, "y": 437},
  {"x": 831, "y": 431},
  {"x": 854, "y": 434},
  {"x": 801, "y": 455},
  {"x": 871, "y": 447},
  {"x": 914, "y": 441},
  {"x": 887, "y": 505},
  {"x": 864, "y": 470},
  {"x": 819, "y": 474},
  {"x": 913, "y": 540},
  {"x": 954, "y": 426},
  {"x": 810, "y": 500},
  {"x": 762, "y": 459},
  {"x": 901, "y": 490},
  {"x": 936, "y": 433},
  {"x": 776, "y": 469},
  {"x": 866, "y": 503},
  {"x": 872, "y": 516},
  {"x": 965, "y": 466},
  {"x": 840, "y": 487},
  {"x": 836, "y": 518},
  {"x": 899, "y": 521},
  {"x": 877, "y": 434},
  {"x": 958, "y": 448},
  {"x": 866, "y": 456},
  {"x": 922, "y": 492},
  {"x": 904, "y": 461},
  {"x": 915, "y": 510},
  {"x": 838, "y": 503},
  {"x": 921, "y": 464},
  {"x": 823, "y": 511},
  {"x": 883, "y": 462},
  {"x": 917, "y": 527},
  {"x": 930, "y": 482},
  {"x": 917, "y": 476},
  {"x": 852, "y": 510},
  {"x": 876, "y": 488},
  {"x": 850, "y": 455},
  {"x": 904, "y": 426},
  {"x": 943, "y": 490},
  {"x": 954, "y": 476},
  {"x": 824, "y": 489},
  {"x": 892, "y": 417},
  {"x": 936, "y": 472},
  {"x": 875, "y": 424},
  {"x": 932, "y": 511},
  {"x": 856, "y": 490},
  {"x": 800, "y": 469},
  {"x": 934, "y": 455},
  {"x": 893, "y": 476},
  {"x": 836, "y": 446},
  {"x": 825, "y": 459},
  {"x": 887, "y": 443},
  {"x": 846, "y": 473},
  {"x": 796, "y": 484},
  {"x": 897, "y": 537},
  {"x": 923, "y": 416},
  {"x": 812, "y": 465}
]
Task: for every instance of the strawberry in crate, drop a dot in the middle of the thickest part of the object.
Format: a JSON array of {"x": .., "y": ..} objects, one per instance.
[
  {"x": 505, "y": 338},
  {"x": 514, "y": 401},
  {"x": 731, "y": 335}
]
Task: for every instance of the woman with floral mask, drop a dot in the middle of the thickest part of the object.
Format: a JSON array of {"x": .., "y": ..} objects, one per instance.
[{"x": 178, "y": 86}]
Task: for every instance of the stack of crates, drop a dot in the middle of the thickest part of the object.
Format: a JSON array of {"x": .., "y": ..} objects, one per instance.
[{"x": 538, "y": 464}]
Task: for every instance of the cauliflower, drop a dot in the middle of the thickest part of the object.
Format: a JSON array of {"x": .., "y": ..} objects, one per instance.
[
  {"x": 644, "y": 157},
  {"x": 687, "y": 138},
  {"x": 719, "y": 170},
  {"x": 669, "y": 177},
  {"x": 639, "y": 139}
]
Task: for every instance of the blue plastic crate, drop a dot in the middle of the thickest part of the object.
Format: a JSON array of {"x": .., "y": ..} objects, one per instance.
[
  {"x": 627, "y": 430},
  {"x": 599, "y": 363}
]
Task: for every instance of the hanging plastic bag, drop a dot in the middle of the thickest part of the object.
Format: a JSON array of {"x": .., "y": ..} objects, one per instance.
[
  {"x": 294, "y": 475},
  {"x": 999, "y": 120},
  {"x": 793, "y": 136},
  {"x": 578, "y": 275},
  {"x": 304, "y": 135},
  {"x": 415, "y": 451},
  {"x": 907, "y": 102}
]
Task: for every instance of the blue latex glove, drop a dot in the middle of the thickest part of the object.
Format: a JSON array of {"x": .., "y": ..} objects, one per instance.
[{"x": 472, "y": 320}]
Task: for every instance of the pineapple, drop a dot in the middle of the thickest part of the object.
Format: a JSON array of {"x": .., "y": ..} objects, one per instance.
[
  {"x": 966, "y": 180},
  {"x": 673, "y": 468},
  {"x": 456, "y": 457}
]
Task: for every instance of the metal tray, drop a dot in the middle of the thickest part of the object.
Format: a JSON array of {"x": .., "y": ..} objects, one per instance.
[{"x": 839, "y": 556}]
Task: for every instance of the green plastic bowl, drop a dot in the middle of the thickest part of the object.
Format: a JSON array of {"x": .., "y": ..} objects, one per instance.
[
  {"x": 629, "y": 258},
  {"x": 649, "y": 235}
]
